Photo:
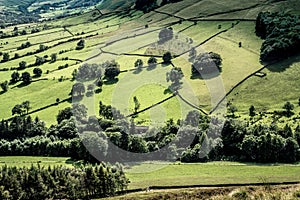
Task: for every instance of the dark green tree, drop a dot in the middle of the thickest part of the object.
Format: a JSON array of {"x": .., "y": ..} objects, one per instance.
[
  {"x": 4, "y": 86},
  {"x": 22, "y": 65},
  {"x": 26, "y": 77},
  {"x": 37, "y": 72},
  {"x": 15, "y": 76},
  {"x": 167, "y": 58},
  {"x": 137, "y": 104},
  {"x": 288, "y": 106},
  {"x": 5, "y": 57}
]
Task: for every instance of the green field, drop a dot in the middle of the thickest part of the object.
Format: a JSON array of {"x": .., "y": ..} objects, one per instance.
[{"x": 156, "y": 174}]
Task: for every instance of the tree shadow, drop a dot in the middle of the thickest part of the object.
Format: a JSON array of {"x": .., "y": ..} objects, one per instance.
[
  {"x": 151, "y": 67},
  {"x": 77, "y": 98},
  {"x": 99, "y": 90},
  {"x": 137, "y": 71},
  {"x": 281, "y": 66},
  {"x": 111, "y": 81},
  {"x": 89, "y": 93},
  {"x": 2, "y": 92},
  {"x": 168, "y": 91},
  {"x": 21, "y": 85},
  {"x": 205, "y": 76}
]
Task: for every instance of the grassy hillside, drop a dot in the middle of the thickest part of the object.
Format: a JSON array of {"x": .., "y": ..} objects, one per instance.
[{"x": 110, "y": 36}]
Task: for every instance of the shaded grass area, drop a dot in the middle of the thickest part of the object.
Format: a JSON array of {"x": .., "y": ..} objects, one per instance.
[
  {"x": 210, "y": 173},
  {"x": 27, "y": 161}
]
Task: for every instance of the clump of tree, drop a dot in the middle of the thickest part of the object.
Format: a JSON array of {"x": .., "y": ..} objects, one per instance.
[
  {"x": 24, "y": 46},
  {"x": 87, "y": 72},
  {"x": 281, "y": 34},
  {"x": 21, "y": 109},
  {"x": 175, "y": 76},
  {"x": 112, "y": 70},
  {"x": 145, "y": 5},
  {"x": 207, "y": 63},
  {"x": 165, "y": 35}
]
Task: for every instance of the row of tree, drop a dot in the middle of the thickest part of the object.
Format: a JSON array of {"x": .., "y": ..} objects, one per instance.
[{"x": 38, "y": 182}]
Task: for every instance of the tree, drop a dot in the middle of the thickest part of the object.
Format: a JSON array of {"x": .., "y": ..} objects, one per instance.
[
  {"x": 39, "y": 60},
  {"x": 167, "y": 57},
  {"x": 252, "y": 111},
  {"x": 53, "y": 57},
  {"x": 26, "y": 77},
  {"x": 74, "y": 74},
  {"x": 78, "y": 89},
  {"x": 152, "y": 62},
  {"x": 175, "y": 76},
  {"x": 5, "y": 57},
  {"x": 4, "y": 86},
  {"x": 137, "y": 104},
  {"x": 138, "y": 64},
  {"x": 17, "y": 109},
  {"x": 37, "y": 72},
  {"x": 15, "y": 77},
  {"x": 26, "y": 106},
  {"x": 22, "y": 65},
  {"x": 288, "y": 106},
  {"x": 112, "y": 69},
  {"x": 80, "y": 44},
  {"x": 232, "y": 110}
]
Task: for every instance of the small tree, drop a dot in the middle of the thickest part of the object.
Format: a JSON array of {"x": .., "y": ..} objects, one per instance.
[
  {"x": 53, "y": 57},
  {"x": 26, "y": 106},
  {"x": 232, "y": 110},
  {"x": 138, "y": 64},
  {"x": 152, "y": 62},
  {"x": 22, "y": 65},
  {"x": 15, "y": 77},
  {"x": 74, "y": 74},
  {"x": 37, "y": 72},
  {"x": 288, "y": 106},
  {"x": 4, "y": 86},
  {"x": 26, "y": 77},
  {"x": 167, "y": 57},
  {"x": 39, "y": 60},
  {"x": 252, "y": 111},
  {"x": 5, "y": 57},
  {"x": 80, "y": 45},
  {"x": 137, "y": 104}
]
